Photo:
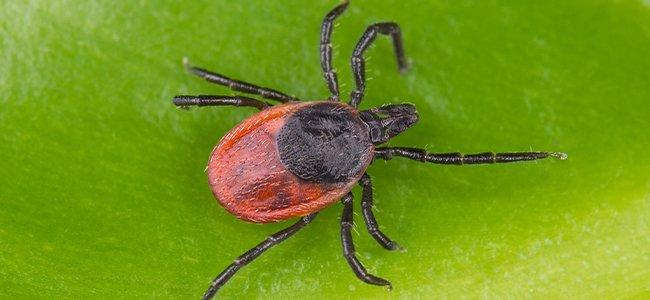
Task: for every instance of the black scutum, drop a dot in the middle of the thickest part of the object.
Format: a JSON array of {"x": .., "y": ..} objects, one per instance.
[{"x": 325, "y": 143}]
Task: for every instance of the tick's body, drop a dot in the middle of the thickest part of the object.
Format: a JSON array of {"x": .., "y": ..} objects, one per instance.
[
  {"x": 296, "y": 158},
  {"x": 290, "y": 160}
]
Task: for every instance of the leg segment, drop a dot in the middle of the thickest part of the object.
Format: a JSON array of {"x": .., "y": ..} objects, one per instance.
[
  {"x": 184, "y": 101},
  {"x": 348, "y": 246},
  {"x": 369, "y": 217},
  {"x": 252, "y": 254},
  {"x": 358, "y": 62},
  {"x": 238, "y": 85},
  {"x": 326, "y": 50},
  {"x": 462, "y": 159}
]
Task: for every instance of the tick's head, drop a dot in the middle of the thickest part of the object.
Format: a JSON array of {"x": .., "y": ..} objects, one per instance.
[{"x": 389, "y": 120}]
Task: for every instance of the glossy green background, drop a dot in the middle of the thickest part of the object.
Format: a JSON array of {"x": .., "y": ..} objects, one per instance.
[{"x": 103, "y": 194}]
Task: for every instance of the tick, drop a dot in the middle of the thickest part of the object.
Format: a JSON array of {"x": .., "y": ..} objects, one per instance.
[{"x": 296, "y": 158}]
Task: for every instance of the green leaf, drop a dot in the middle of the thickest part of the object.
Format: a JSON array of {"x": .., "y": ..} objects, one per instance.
[{"x": 103, "y": 194}]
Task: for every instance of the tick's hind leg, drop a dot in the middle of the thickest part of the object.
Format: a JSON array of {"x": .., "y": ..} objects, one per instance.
[
  {"x": 326, "y": 50},
  {"x": 252, "y": 254},
  {"x": 184, "y": 101},
  {"x": 369, "y": 217},
  {"x": 238, "y": 85},
  {"x": 348, "y": 246},
  {"x": 358, "y": 62}
]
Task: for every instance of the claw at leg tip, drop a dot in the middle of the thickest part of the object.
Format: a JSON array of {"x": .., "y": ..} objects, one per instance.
[
  {"x": 404, "y": 69},
  {"x": 559, "y": 155},
  {"x": 186, "y": 64},
  {"x": 396, "y": 247}
]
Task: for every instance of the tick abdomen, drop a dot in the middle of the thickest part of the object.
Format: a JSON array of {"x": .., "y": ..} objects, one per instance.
[{"x": 289, "y": 160}]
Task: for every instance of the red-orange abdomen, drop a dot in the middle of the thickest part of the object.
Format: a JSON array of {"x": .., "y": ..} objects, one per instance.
[{"x": 257, "y": 182}]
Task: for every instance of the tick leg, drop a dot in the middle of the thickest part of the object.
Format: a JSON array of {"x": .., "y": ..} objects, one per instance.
[
  {"x": 185, "y": 101},
  {"x": 369, "y": 217},
  {"x": 238, "y": 85},
  {"x": 326, "y": 50},
  {"x": 348, "y": 246},
  {"x": 358, "y": 62},
  {"x": 463, "y": 159},
  {"x": 253, "y": 253}
]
